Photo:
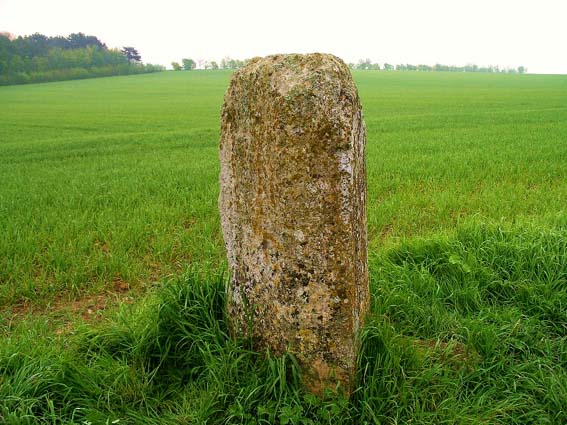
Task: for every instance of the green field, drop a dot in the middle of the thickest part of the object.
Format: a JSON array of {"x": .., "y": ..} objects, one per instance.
[{"x": 112, "y": 261}]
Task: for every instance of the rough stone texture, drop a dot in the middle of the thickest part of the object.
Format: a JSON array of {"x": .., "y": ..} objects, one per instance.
[{"x": 293, "y": 211}]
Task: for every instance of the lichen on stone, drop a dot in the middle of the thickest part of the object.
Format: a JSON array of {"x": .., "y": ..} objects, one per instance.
[{"x": 293, "y": 211}]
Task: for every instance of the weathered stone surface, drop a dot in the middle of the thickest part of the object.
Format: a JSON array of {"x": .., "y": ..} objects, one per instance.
[{"x": 293, "y": 211}]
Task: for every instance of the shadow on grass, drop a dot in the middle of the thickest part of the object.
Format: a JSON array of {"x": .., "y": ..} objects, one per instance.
[{"x": 467, "y": 329}]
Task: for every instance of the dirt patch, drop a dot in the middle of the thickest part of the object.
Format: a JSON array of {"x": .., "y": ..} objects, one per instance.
[
  {"x": 121, "y": 286},
  {"x": 64, "y": 312},
  {"x": 90, "y": 308},
  {"x": 102, "y": 246},
  {"x": 21, "y": 309}
]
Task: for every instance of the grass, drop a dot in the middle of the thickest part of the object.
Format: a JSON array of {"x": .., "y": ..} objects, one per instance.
[
  {"x": 109, "y": 189},
  {"x": 113, "y": 179},
  {"x": 464, "y": 329}
]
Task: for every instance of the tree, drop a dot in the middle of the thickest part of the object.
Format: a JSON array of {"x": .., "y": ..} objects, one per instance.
[
  {"x": 364, "y": 64},
  {"x": 214, "y": 65},
  {"x": 39, "y": 58},
  {"x": 36, "y": 44},
  {"x": 522, "y": 70},
  {"x": 388, "y": 67},
  {"x": 131, "y": 54},
  {"x": 59, "y": 42},
  {"x": 80, "y": 41},
  {"x": 188, "y": 64},
  {"x": 176, "y": 66},
  {"x": 4, "y": 54}
]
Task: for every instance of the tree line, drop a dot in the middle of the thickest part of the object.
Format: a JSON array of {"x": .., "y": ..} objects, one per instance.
[
  {"x": 367, "y": 64},
  {"x": 39, "y": 58},
  {"x": 189, "y": 64},
  {"x": 363, "y": 64}
]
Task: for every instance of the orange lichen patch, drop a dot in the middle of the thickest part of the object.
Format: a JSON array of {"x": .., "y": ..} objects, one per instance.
[{"x": 322, "y": 378}]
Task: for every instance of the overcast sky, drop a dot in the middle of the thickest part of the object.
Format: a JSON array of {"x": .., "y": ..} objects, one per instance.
[{"x": 508, "y": 33}]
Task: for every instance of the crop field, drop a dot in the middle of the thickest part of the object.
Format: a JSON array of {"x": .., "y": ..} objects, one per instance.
[{"x": 112, "y": 261}]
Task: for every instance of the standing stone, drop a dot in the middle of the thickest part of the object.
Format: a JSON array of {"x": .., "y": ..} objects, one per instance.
[{"x": 293, "y": 212}]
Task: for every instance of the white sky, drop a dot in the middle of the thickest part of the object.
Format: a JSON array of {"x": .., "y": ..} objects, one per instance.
[{"x": 509, "y": 33}]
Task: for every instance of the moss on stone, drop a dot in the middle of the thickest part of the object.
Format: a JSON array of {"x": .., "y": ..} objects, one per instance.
[{"x": 292, "y": 205}]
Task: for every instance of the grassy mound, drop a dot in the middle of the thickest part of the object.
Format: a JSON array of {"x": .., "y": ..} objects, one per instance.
[{"x": 464, "y": 329}]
